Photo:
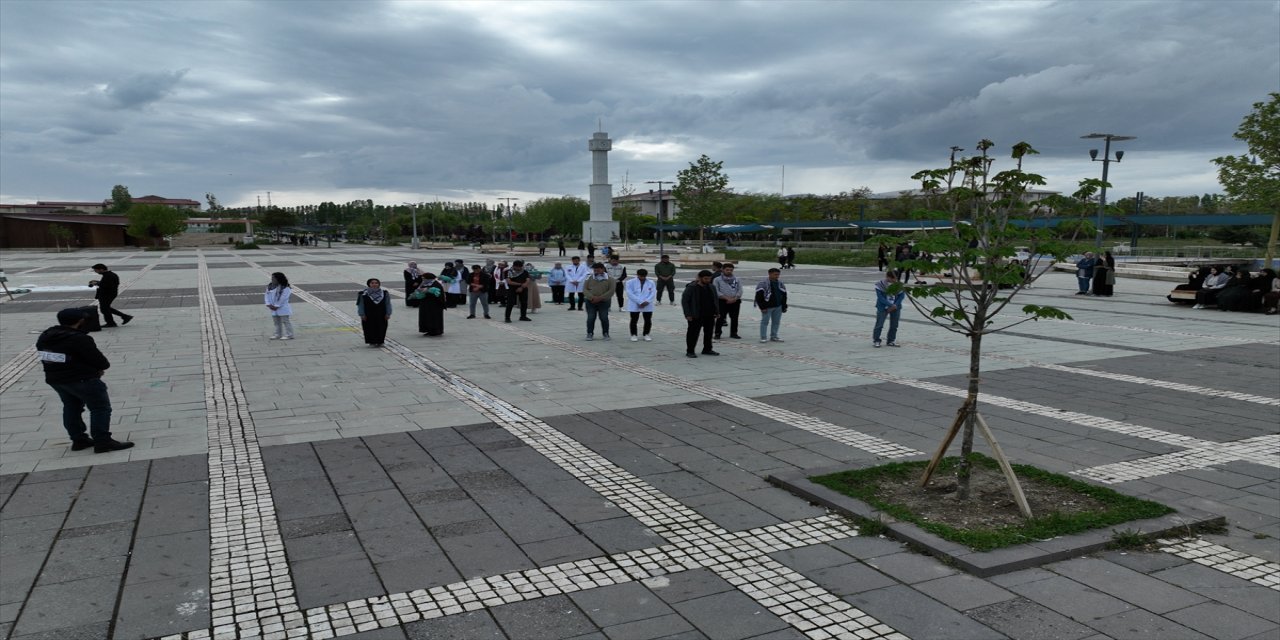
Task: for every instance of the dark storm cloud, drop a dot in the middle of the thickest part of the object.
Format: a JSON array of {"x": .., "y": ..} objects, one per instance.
[{"x": 414, "y": 99}]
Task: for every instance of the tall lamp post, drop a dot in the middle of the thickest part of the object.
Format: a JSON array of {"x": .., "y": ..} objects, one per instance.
[
  {"x": 1106, "y": 161},
  {"x": 661, "y": 235},
  {"x": 413, "y": 208},
  {"x": 511, "y": 243}
]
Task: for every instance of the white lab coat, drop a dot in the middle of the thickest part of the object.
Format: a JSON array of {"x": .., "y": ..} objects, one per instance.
[
  {"x": 280, "y": 298},
  {"x": 578, "y": 275},
  {"x": 638, "y": 292}
]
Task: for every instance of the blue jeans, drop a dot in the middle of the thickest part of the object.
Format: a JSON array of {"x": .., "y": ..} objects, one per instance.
[
  {"x": 600, "y": 310},
  {"x": 76, "y": 396},
  {"x": 1083, "y": 283},
  {"x": 774, "y": 315},
  {"x": 893, "y": 323}
]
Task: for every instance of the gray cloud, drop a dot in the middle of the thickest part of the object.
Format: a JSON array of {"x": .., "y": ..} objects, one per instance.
[{"x": 315, "y": 98}]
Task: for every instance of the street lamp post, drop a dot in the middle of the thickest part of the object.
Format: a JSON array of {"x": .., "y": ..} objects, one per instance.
[
  {"x": 661, "y": 235},
  {"x": 510, "y": 241},
  {"x": 1106, "y": 161},
  {"x": 413, "y": 208}
]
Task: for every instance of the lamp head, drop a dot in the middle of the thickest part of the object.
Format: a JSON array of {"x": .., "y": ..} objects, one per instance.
[
  {"x": 1119, "y": 155},
  {"x": 1093, "y": 154}
]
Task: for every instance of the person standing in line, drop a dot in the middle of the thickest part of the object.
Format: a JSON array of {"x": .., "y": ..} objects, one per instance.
[
  {"x": 729, "y": 297},
  {"x": 1104, "y": 276},
  {"x": 665, "y": 271},
  {"x": 888, "y": 303},
  {"x": 619, "y": 275},
  {"x": 699, "y": 305},
  {"x": 452, "y": 288},
  {"x": 73, "y": 366},
  {"x": 599, "y": 291},
  {"x": 431, "y": 308},
  {"x": 560, "y": 246},
  {"x": 556, "y": 279},
  {"x": 791, "y": 257},
  {"x": 577, "y": 274},
  {"x": 489, "y": 266},
  {"x": 412, "y": 278},
  {"x": 542, "y": 247},
  {"x": 479, "y": 286},
  {"x": 108, "y": 288},
  {"x": 771, "y": 299},
  {"x": 373, "y": 305},
  {"x": 535, "y": 296},
  {"x": 1084, "y": 272},
  {"x": 591, "y": 253},
  {"x": 582, "y": 246},
  {"x": 277, "y": 300},
  {"x": 641, "y": 292},
  {"x": 500, "y": 287},
  {"x": 518, "y": 290}
]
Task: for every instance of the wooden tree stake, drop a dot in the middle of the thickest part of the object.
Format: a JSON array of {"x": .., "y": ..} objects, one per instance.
[
  {"x": 946, "y": 442},
  {"x": 1014, "y": 486}
]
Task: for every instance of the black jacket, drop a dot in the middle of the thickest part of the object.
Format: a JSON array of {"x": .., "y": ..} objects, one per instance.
[
  {"x": 69, "y": 355},
  {"x": 698, "y": 301},
  {"x": 108, "y": 286}
]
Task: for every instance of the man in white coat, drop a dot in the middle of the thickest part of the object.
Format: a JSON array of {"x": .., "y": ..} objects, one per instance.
[
  {"x": 641, "y": 293},
  {"x": 576, "y": 274}
]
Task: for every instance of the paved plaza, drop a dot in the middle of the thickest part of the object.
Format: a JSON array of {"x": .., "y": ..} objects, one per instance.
[{"x": 516, "y": 481}]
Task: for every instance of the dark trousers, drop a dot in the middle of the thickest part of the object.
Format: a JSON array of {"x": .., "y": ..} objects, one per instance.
[
  {"x": 581, "y": 302},
  {"x": 670, "y": 286},
  {"x": 104, "y": 306},
  {"x": 731, "y": 311},
  {"x": 557, "y": 294},
  {"x": 498, "y": 296},
  {"x": 635, "y": 319},
  {"x": 619, "y": 289},
  {"x": 521, "y": 298},
  {"x": 561, "y": 251},
  {"x": 703, "y": 325},
  {"x": 76, "y": 396}
]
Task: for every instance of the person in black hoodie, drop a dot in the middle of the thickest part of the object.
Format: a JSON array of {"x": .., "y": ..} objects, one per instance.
[
  {"x": 73, "y": 366},
  {"x": 108, "y": 288}
]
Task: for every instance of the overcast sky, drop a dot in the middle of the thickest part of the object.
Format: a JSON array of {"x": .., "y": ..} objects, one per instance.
[{"x": 410, "y": 101}]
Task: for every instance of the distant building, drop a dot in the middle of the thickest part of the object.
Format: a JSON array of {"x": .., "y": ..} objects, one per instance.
[
  {"x": 650, "y": 203},
  {"x": 27, "y": 225}
]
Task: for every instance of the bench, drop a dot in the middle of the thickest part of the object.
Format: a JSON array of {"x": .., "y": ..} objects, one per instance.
[
  {"x": 524, "y": 251},
  {"x": 493, "y": 248},
  {"x": 1182, "y": 296},
  {"x": 437, "y": 245}
]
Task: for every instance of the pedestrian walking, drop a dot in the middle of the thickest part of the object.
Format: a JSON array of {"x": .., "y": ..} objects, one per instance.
[
  {"x": 108, "y": 285},
  {"x": 373, "y": 305},
  {"x": 771, "y": 300},
  {"x": 641, "y": 293},
  {"x": 479, "y": 286},
  {"x": 665, "y": 274},
  {"x": 888, "y": 303},
  {"x": 619, "y": 275},
  {"x": 729, "y": 298},
  {"x": 556, "y": 279},
  {"x": 699, "y": 305},
  {"x": 791, "y": 257},
  {"x": 518, "y": 291},
  {"x": 277, "y": 300},
  {"x": 599, "y": 293},
  {"x": 74, "y": 366},
  {"x": 577, "y": 274},
  {"x": 431, "y": 305}
]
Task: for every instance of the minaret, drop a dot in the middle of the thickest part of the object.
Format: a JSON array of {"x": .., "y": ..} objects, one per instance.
[{"x": 601, "y": 227}]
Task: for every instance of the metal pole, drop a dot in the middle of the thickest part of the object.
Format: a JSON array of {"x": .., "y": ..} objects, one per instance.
[
  {"x": 414, "y": 209},
  {"x": 1102, "y": 200}
]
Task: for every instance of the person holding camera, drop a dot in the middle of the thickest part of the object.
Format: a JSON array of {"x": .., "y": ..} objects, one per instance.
[
  {"x": 108, "y": 288},
  {"x": 73, "y": 366}
]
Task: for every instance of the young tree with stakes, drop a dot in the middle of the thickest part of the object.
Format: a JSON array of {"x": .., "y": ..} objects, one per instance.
[{"x": 990, "y": 220}]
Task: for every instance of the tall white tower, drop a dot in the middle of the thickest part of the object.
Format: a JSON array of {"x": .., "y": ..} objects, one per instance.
[{"x": 601, "y": 227}]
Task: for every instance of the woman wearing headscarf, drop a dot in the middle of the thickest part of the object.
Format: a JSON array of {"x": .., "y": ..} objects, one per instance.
[
  {"x": 535, "y": 298},
  {"x": 373, "y": 305},
  {"x": 412, "y": 278},
  {"x": 430, "y": 294},
  {"x": 556, "y": 279},
  {"x": 277, "y": 300},
  {"x": 449, "y": 278}
]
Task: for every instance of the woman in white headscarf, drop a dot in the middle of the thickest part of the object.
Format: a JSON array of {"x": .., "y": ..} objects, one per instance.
[{"x": 373, "y": 305}]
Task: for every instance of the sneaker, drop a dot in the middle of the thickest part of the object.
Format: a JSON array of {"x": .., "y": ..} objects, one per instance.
[
  {"x": 274, "y": 338},
  {"x": 471, "y": 317},
  {"x": 876, "y": 344},
  {"x": 126, "y": 320},
  {"x": 776, "y": 339},
  {"x": 735, "y": 337},
  {"x": 635, "y": 339},
  {"x": 110, "y": 445},
  {"x": 508, "y": 321},
  {"x": 486, "y": 317},
  {"x": 894, "y": 344},
  {"x": 590, "y": 337},
  {"x": 287, "y": 338},
  {"x": 1199, "y": 306},
  {"x": 763, "y": 340},
  {"x": 80, "y": 444},
  {"x": 606, "y": 336},
  {"x": 648, "y": 339},
  {"x": 690, "y": 354},
  {"x": 710, "y": 353},
  {"x": 527, "y": 319}
]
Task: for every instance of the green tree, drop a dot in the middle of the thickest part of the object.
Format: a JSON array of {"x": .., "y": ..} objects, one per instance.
[
  {"x": 1253, "y": 181},
  {"x": 565, "y": 214},
  {"x": 213, "y": 202},
  {"x": 120, "y": 199},
  {"x": 701, "y": 191},
  {"x": 986, "y": 278},
  {"x": 275, "y": 218},
  {"x": 155, "y": 221},
  {"x": 627, "y": 212},
  {"x": 61, "y": 235}
]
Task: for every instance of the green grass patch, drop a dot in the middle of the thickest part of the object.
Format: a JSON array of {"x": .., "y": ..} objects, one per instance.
[
  {"x": 827, "y": 257},
  {"x": 1110, "y": 507}
]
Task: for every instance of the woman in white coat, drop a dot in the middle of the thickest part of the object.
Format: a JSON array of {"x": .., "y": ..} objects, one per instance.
[
  {"x": 277, "y": 300},
  {"x": 577, "y": 274},
  {"x": 641, "y": 293}
]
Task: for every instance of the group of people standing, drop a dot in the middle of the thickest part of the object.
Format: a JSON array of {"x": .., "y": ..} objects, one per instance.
[{"x": 1096, "y": 276}]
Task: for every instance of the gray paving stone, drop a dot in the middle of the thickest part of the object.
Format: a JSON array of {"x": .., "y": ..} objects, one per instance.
[
  {"x": 178, "y": 469},
  {"x": 46, "y": 609},
  {"x": 1222, "y": 622},
  {"x": 847, "y": 579},
  {"x": 432, "y": 439},
  {"x": 170, "y": 556},
  {"x": 686, "y": 585},
  {"x": 292, "y": 462},
  {"x": 963, "y": 592},
  {"x": 472, "y": 625},
  {"x": 436, "y": 496},
  {"x": 736, "y": 515},
  {"x": 87, "y": 557},
  {"x": 378, "y": 510},
  {"x": 173, "y": 508},
  {"x": 17, "y": 574},
  {"x": 483, "y": 554},
  {"x": 467, "y": 528},
  {"x": 548, "y": 618},
  {"x": 1026, "y": 620},
  {"x": 525, "y": 519},
  {"x": 620, "y": 604},
  {"x": 1144, "y": 562},
  {"x": 385, "y": 633},
  {"x": 1138, "y": 624},
  {"x": 666, "y": 627},
  {"x": 316, "y": 525},
  {"x": 54, "y": 475},
  {"x": 680, "y": 484},
  {"x": 302, "y": 498},
  {"x": 34, "y": 499},
  {"x": 729, "y": 616},
  {"x": 18, "y": 526},
  {"x": 910, "y": 567},
  {"x": 818, "y": 556},
  {"x": 1224, "y": 588},
  {"x": 461, "y": 459},
  {"x": 1072, "y": 599},
  {"x": 26, "y": 543},
  {"x": 402, "y": 541},
  {"x": 329, "y": 580},
  {"x": 782, "y": 505},
  {"x": 556, "y": 550},
  {"x": 446, "y": 513},
  {"x": 1128, "y": 585},
  {"x": 417, "y": 572},
  {"x": 323, "y": 545},
  {"x": 163, "y": 607},
  {"x": 92, "y": 631},
  {"x": 620, "y": 534}
]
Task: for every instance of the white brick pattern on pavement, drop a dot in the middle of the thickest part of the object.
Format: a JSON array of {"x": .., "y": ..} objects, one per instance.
[{"x": 1215, "y": 556}]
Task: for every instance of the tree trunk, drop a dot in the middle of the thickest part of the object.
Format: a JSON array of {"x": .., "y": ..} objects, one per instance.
[{"x": 966, "y": 441}]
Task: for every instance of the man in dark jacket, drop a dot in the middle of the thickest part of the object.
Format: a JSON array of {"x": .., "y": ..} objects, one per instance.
[
  {"x": 73, "y": 366},
  {"x": 699, "y": 304},
  {"x": 108, "y": 288}
]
